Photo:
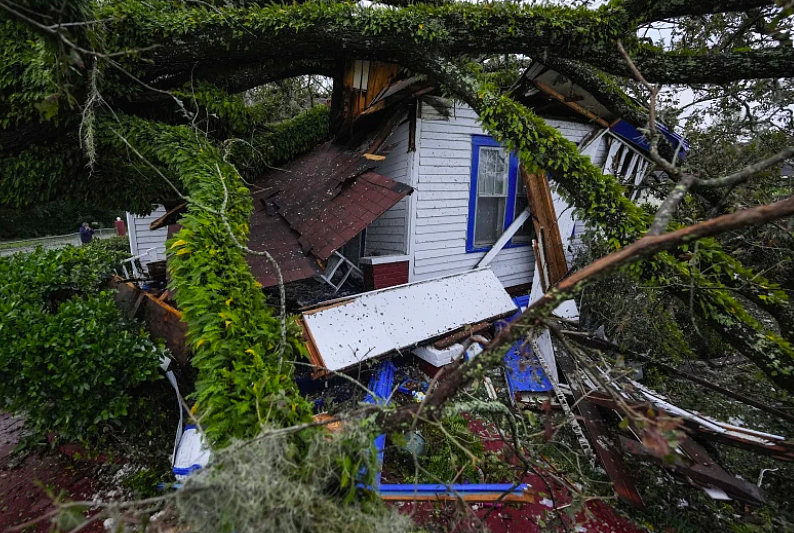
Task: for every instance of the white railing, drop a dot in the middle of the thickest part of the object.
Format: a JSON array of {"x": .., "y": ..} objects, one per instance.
[{"x": 136, "y": 274}]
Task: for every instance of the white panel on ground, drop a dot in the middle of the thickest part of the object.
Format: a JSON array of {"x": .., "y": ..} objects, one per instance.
[
  {"x": 350, "y": 330},
  {"x": 445, "y": 356},
  {"x": 545, "y": 350}
]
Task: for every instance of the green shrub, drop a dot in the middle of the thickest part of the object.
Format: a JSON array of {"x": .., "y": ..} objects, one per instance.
[{"x": 69, "y": 360}]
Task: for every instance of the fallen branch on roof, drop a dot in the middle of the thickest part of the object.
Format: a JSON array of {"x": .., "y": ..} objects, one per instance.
[{"x": 460, "y": 373}]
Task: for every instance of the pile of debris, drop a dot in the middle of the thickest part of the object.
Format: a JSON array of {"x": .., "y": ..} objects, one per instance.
[{"x": 435, "y": 320}]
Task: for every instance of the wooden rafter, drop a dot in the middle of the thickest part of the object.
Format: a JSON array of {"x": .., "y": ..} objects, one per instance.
[
  {"x": 544, "y": 218},
  {"x": 573, "y": 105}
]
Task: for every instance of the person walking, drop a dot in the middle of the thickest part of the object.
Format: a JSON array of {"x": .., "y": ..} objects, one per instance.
[{"x": 86, "y": 233}]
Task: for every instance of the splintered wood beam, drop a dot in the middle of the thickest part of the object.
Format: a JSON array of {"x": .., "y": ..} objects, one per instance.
[
  {"x": 702, "y": 470},
  {"x": 386, "y": 130},
  {"x": 544, "y": 217},
  {"x": 573, "y": 105},
  {"x": 511, "y": 230},
  {"x": 609, "y": 455}
]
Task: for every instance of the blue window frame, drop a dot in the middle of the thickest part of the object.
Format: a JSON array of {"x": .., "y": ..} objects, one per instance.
[{"x": 493, "y": 204}]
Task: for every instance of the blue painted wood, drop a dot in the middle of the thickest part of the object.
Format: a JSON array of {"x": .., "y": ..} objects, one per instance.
[
  {"x": 478, "y": 141},
  {"x": 635, "y": 137},
  {"x": 451, "y": 490},
  {"x": 381, "y": 383},
  {"x": 522, "y": 368}
]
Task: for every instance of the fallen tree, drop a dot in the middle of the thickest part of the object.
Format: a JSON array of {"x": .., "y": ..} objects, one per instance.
[{"x": 72, "y": 97}]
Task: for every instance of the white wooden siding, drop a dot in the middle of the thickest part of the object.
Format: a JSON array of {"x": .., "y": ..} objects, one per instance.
[
  {"x": 388, "y": 235},
  {"x": 143, "y": 239},
  {"x": 442, "y": 198}
]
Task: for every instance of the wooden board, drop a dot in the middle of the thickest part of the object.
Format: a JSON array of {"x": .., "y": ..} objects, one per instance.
[
  {"x": 348, "y": 331},
  {"x": 544, "y": 218},
  {"x": 161, "y": 320},
  {"x": 607, "y": 452}
]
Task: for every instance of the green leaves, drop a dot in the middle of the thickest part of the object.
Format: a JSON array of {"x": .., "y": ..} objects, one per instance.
[
  {"x": 69, "y": 360},
  {"x": 235, "y": 338}
]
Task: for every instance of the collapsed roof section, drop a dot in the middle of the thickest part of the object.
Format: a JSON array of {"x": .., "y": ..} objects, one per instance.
[
  {"x": 552, "y": 92},
  {"x": 312, "y": 207}
]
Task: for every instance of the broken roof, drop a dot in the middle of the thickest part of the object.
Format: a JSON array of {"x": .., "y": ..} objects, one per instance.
[
  {"x": 309, "y": 209},
  {"x": 556, "y": 91}
]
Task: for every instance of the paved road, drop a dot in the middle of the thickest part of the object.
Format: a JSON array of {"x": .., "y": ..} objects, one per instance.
[{"x": 57, "y": 241}]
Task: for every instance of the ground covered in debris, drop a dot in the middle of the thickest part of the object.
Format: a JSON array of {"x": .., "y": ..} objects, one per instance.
[
  {"x": 683, "y": 508},
  {"x": 28, "y": 484},
  {"x": 32, "y": 478},
  {"x": 550, "y": 507}
]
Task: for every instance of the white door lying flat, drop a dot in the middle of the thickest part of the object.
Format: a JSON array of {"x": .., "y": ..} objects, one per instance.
[{"x": 347, "y": 331}]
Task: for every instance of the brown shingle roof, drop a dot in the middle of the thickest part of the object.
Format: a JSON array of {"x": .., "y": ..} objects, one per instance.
[{"x": 323, "y": 199}]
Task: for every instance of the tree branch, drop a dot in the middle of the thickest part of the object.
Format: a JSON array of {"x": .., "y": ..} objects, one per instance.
[
  {"x": 656, "y": 10},
  {"x": 460, "y": 374},
  {"x": 702, "y": 68},
  {"x": 747, "y": 172}
]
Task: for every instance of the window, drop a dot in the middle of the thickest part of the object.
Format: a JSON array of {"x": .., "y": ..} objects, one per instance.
[
  {"x": 526, "y": 233},
  {"x": 495, "y": 197},
  {"x": 493, "y": 179}
]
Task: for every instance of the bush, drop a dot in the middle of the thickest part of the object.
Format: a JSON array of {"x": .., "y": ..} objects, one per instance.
[{"x": 69, "y": 360}]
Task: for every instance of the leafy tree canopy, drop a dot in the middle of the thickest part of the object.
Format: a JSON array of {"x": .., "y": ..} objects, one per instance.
[{"x": 125, "y": 102}]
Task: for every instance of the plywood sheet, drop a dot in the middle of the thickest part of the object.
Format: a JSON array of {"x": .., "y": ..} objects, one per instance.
[{"x": 348, "y": 331}]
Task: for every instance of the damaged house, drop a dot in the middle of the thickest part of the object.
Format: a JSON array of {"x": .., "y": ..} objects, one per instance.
[
  {"x": 437, "y": 233},
  {"x": 412, "y": 188}
]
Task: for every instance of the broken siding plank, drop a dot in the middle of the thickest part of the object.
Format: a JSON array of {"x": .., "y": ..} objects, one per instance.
[
  {"x": 426, "y": 224},
  {"x": 439, "y": 244}
]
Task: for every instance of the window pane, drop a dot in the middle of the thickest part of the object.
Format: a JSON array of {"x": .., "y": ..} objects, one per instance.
[
  {"x": 489, "y": 224},
  {"x": 526, "y": 232},
  {"x": 492, "y": 172}
]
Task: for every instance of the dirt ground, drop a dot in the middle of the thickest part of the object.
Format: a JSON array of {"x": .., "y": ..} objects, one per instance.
[{"x": 26, "y": 482}]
